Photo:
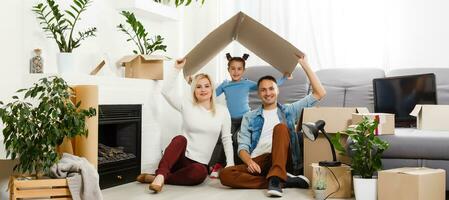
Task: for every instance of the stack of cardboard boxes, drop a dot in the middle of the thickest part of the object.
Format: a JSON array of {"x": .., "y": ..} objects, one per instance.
[
  {"x": 393, "y": 184},
  {"x": 417, "y": 183},
  {"x": 337, "y": 119}
]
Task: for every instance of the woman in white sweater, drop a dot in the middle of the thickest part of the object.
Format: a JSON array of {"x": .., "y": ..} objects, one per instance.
[{"x": 185, "y": 159}]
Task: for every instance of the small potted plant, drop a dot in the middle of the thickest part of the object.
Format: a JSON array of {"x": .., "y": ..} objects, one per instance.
[
  {"x": 320, "y": 186},
  {"x": 142, "y": 64},
  {"x": 61, "y": 26},
  {"x": 37, "y": 122},
  {"x": 365, "y": 149}
]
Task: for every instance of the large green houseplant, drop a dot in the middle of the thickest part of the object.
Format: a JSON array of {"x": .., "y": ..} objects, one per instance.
[
  {"x": 61, "y": 26},
  {"x": 36, "y": 122},
  {"x": 137, "y": 33},
  {"x": 365, "y": 149}
]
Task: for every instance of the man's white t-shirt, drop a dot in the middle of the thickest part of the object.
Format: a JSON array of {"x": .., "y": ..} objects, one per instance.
[{"x": 271, "y": 119}]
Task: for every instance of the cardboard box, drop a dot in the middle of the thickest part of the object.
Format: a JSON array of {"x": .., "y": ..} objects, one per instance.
[
  {"x": 257, "y": 38},
  {"x": 144, "y": 66},
  {"x": 386, "y": 122},
  {"x": 41, "y": 188},
  {"x": 337, "y": 119},
  {"x": 342, "y": 176},
  {"x": 412, "y": 184},
  {"x": 431, "y": 117}
]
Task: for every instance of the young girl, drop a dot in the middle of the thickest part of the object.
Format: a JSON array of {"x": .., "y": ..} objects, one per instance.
[{"x": 236, "y": 92}]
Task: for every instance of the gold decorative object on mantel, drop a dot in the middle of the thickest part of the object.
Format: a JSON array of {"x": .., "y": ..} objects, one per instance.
[{"x": 37, "y": 63}]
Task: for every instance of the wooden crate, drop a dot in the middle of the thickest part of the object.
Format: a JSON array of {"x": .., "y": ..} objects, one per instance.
[{"x": 42, "y": 188}]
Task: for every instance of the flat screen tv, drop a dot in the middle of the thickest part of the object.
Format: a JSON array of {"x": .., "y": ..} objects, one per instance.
[{"x": 400, "y": 94}]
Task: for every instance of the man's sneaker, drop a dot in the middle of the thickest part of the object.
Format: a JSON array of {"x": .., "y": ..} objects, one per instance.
[
  {"x": 274, "y": 187},
  {"x": 297, "y": 181},
  {"x": 215, "y": 173}
]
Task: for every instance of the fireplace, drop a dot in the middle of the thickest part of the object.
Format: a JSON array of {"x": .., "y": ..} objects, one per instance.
[{"x": 119, "y": 144}]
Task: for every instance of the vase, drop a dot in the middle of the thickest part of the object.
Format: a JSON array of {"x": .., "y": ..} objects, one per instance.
[
  {"x": 67, "y": 63},
  {"x": 37, "y": 62},
  {"x": 365, "y": 188},
  {"x": 319, "y": 194}
]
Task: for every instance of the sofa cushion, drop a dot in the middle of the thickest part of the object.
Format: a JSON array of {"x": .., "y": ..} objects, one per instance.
[
  {"x": 417, "y": 144},
  {"x": 292, "y": 90},
  {"x": 349, "y": 87},
  {"x": 441, "y": 75}
]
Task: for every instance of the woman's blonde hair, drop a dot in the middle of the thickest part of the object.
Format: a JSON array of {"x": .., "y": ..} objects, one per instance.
[{"x": 193, "y": 87}]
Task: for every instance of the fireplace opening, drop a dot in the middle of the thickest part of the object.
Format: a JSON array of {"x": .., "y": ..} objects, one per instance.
[{"x": 119, "y": 144}]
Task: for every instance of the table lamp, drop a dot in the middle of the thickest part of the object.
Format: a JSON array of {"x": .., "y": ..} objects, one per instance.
[{"x": 311, "y": 130}]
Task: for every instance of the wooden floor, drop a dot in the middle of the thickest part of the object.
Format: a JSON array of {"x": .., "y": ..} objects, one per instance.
[{"x": 211, "y": 189}]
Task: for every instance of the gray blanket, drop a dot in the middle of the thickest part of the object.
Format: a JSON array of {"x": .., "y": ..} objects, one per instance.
[{"x": 82, "y": 177}]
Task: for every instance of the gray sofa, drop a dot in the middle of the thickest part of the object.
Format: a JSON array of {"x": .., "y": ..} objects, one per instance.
[{"x": 353, "y": 88}]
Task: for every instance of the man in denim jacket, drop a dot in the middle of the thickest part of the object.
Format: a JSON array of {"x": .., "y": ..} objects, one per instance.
[{"x": 268, "y": 143}]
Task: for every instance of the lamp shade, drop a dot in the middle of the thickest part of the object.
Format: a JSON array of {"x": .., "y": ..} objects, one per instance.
[{"x": 311, "y": 130}]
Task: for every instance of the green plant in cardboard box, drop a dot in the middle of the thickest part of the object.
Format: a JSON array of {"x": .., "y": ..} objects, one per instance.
[
  {"x": 61, "y": 25},
  {"x": 180, "y": 2},
  {"x": 139, "y": 36},
  {"x": 365, "y": 149},
  {"x": 36, "y": 123}
]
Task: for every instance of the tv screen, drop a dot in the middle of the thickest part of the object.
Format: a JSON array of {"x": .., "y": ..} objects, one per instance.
[{"x": 400, "y": 94}]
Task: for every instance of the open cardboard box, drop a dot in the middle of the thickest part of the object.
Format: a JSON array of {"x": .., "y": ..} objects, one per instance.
[
  {"x": 385, "y": 120},
  {"x": 337, "y": 119},
  {"x": 431, "y": 117},
  {"x": 340, "y": 184},
  {"x": 266, "y": 44},
  {"x": 144, "y": 66}
]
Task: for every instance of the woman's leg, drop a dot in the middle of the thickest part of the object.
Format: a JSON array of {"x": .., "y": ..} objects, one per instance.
[
  {"x": 191, "y": 173},
  {"x": 174, "y": 152}
]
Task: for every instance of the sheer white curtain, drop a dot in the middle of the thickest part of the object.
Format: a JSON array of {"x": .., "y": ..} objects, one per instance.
[
  {"x": 354, "y": 33},
  {"x": 344, "y": 33}
]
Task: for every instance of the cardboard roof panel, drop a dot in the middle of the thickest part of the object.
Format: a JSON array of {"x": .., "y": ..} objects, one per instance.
[
  {"x": 266, "y": 44},
  {"x": 210, "y": 46}
]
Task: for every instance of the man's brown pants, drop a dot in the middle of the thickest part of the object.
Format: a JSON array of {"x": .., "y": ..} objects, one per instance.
[{"x": 271, "y": 164}]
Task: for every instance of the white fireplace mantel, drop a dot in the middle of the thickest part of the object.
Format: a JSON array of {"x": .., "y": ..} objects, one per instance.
[{"x": 118, "y": 90}]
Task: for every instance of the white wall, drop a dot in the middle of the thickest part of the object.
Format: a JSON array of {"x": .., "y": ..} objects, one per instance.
[{"x": 21, "y": 34}]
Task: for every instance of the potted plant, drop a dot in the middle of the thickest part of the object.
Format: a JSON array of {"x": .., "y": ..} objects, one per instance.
[
  {"x": 179, "y": 2},
  {"x": 142, "y": 64},
  {"x": 36, "y": 123},
  {"x": 61, "y": 27},
  {"x": 365, "y": 149},
  {"x": 320, "y": 186}
]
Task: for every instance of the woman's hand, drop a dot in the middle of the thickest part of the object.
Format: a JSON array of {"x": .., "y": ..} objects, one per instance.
[
  {"x": 179, "y": 64},
  {"x": 253, "y": 167},
  {"x": 302, "y": 60}
]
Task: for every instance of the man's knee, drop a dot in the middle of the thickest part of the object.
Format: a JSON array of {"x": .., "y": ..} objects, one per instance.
[
  {"x": 226, "y": 176},
  {"x": 280, "y": 129}
]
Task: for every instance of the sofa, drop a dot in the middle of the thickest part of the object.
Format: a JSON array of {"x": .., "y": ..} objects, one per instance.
[{"x": 409, "y": 147}]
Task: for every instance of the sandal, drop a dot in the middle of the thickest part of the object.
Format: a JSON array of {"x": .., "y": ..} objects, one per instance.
[{"x": 145, "y": 178}]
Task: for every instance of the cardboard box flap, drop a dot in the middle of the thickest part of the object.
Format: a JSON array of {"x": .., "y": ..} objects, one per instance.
[
  {"x": 266, "y": 44},
  {"x": 362, "y": 110},
  {"x": 423, "y": 171},
  {"x": 416, "y": 110},
  {"x": 130, "y": 58}
]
